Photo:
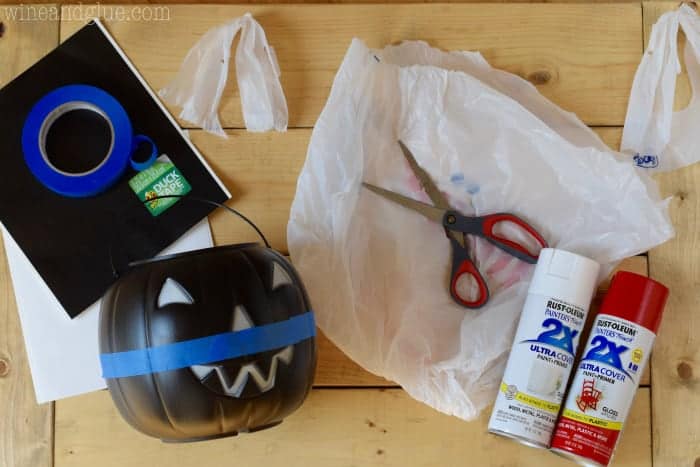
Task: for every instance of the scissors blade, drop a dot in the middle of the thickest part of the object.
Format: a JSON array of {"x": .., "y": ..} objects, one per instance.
[
  {"x": 426, "y": 182},
  {"x": 431, "y": 212}
]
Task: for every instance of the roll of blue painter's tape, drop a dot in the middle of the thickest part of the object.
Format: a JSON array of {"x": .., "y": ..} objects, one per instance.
[{"x": 96, "y": 180}]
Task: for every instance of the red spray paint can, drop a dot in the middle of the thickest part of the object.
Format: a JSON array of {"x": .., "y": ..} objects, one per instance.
[{"x": 607, "y": 376}]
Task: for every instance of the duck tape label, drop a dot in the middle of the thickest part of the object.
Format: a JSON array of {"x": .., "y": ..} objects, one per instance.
[
  {"x": 208, "y": 349},
  {"x": 160, "y": 179}
]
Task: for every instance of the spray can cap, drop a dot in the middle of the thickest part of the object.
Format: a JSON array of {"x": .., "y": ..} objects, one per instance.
[
  {"x": 636, "y": 298},
  {"x": 566, "y": 276}
]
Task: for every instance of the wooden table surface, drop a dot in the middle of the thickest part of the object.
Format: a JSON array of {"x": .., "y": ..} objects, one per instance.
[{"x": 582, "y": 56}]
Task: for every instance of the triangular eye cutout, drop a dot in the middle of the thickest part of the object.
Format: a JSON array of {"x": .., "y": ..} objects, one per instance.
[
  {"x": 173, "y": 292},
  {"x": 279, "y": 276},
  {"x": 241, "y": 320}
]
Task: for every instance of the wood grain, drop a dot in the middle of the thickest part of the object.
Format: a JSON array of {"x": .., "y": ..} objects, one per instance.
[
  {"x": 335, "y": 369},
  {"x": 26, "y": 429},
  {"x": 582, "y": 56},
  {"x": 676, "y": 357},
  {"x": 334, "y": 428},
  {"x": 675, "y": 362}
]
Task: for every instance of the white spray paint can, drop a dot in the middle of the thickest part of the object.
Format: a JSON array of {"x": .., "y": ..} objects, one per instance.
[{"x": 544, "y": 347}]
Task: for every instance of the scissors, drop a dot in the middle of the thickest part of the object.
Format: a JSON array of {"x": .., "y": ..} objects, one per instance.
[{"x": 458, "y": 226}]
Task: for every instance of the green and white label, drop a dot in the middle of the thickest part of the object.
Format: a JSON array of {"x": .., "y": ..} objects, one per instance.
[{"x": 160, "y": 179}]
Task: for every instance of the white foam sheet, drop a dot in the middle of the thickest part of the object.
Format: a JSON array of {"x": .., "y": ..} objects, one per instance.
[{"x": 63, "y": 353}]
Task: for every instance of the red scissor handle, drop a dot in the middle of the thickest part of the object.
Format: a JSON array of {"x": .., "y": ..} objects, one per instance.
[
  {"x": 461, "y": 265},
  {"x": 516, "y": 249}
]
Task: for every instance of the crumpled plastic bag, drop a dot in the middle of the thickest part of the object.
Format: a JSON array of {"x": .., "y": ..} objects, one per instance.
[
  {"x": 378, "y": 273},
  {"x": 654, "y": 135},
  {"x": 199, "y": 84}
]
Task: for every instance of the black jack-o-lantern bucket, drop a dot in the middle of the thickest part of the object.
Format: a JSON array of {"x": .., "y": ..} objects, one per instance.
[{"x": 208, "y": 343}]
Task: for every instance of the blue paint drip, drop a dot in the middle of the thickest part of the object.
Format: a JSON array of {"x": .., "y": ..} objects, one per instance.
[{"x": 457, "y": 178}]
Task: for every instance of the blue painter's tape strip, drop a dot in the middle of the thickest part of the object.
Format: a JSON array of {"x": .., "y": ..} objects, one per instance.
[{"x": 208, "y": 349}]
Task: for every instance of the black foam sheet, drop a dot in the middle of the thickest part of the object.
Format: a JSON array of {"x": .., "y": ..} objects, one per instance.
[{"x": 72, "y": 242}]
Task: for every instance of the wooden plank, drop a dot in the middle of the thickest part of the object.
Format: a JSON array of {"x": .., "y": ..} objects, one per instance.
[
  {"x": 334, "y": 368},
  {"x": 24, "y": 42},
  {"x": 261, "y": 171},
  {"x": 335, "y": 427},
  {"x": 582, "y": 56},
  {"x": 676, "y": 357},
  {"x": 26, "y": 429}
]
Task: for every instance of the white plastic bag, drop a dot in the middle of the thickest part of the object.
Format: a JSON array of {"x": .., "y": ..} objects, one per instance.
[
  {"x": 199, "y": 84},
  {"x": 654, "y": 135},
  {"x": 377, "y": 273}
]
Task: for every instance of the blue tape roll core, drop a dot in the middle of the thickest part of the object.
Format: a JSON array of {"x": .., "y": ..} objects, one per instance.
[
  {"x": 92, "y": 182},
  {"x": 208, "y": 349}
]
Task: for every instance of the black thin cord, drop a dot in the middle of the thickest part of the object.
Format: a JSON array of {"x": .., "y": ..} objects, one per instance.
[
  {"x": 201, "y": 200},
  {"x": 217, "y": 204}
]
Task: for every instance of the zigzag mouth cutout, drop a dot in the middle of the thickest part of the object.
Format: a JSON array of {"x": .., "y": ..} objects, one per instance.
[{"x": 234, "y": 386}]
